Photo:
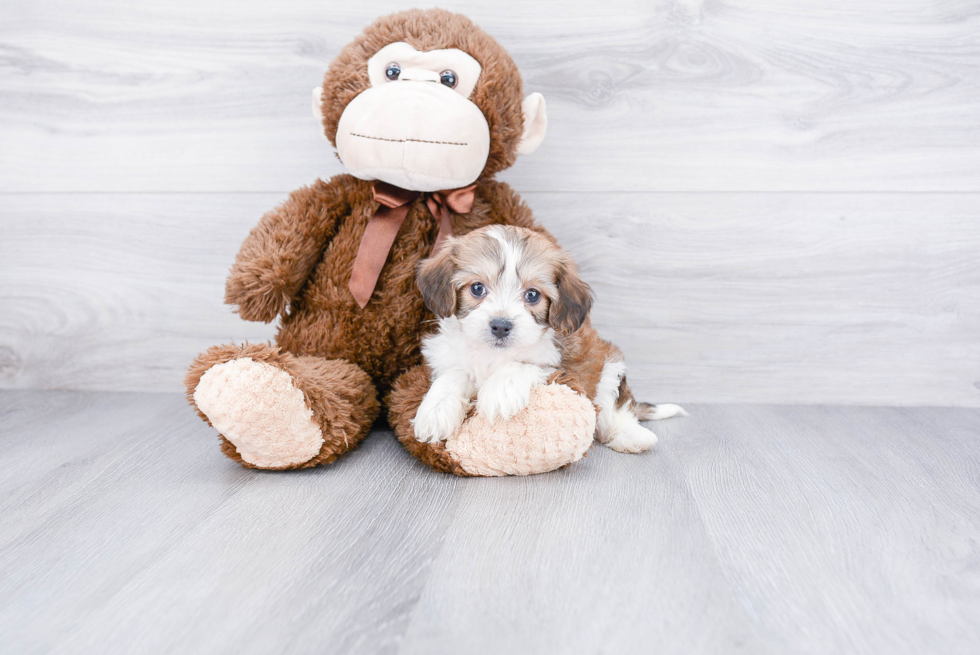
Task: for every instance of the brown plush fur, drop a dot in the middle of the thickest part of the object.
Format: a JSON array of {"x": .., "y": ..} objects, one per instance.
[
  {"x": 323, "y": 318},
  {"x": 403, "y": 402},
  {"x": 343, "y": 400},
  {"x": 296, "y": 264}
]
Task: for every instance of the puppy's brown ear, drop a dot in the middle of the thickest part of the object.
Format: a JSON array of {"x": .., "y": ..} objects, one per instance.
[
  {"x": 570, "y": 309},
  {"x": 435, "y": 281}
]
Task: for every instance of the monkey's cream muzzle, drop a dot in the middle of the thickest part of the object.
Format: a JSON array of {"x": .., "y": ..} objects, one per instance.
[{"x": 415, "y": 134}]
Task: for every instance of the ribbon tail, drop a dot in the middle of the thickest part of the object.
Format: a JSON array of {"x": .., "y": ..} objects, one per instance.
[
  {"x": 445, "y": 229},
  {"x": 379, "y": 235}
]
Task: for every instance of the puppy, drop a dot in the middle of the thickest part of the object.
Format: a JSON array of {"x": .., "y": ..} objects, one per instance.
[{"x": 513, "y": 314}]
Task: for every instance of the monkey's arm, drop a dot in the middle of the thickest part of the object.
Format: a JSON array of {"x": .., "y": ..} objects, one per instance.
[{"x": 280, "y": 253}]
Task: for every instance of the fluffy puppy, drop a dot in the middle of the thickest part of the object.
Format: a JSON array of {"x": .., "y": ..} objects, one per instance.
[{"x": 513, "y": 313}]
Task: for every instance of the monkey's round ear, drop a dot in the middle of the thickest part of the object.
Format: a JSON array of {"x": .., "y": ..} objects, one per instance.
[
  {"x": 535, "y": 124},
  {"x": 318, "y": 105}
]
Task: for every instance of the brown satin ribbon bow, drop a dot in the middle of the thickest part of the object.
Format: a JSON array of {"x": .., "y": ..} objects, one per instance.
[{"x": 381, "y": 230}]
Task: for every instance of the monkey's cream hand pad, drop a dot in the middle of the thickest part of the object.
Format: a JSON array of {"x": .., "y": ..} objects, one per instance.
[
  {"x": 257, "y": 407},
  {"x": 555, "y": 429}
]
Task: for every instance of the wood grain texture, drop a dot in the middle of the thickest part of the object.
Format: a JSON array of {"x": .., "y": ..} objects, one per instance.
[
  {"x": 776, "y": 202},
  {"x": 119, "y": 291},
  {"x": 753, "y": 529},
  {"x": 814, "y": 511},
  {"x": 735, "y": 297},
  {"x": 668, "y": 95}
]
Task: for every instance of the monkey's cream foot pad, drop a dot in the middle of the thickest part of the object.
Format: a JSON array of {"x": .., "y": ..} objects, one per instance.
[
  {"x": 555, "y": 429},
  {"x": 257, "y": 407}
]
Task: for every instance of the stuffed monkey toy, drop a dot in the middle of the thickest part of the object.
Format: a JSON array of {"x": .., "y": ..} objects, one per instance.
[{"x": 423, "y": 108}]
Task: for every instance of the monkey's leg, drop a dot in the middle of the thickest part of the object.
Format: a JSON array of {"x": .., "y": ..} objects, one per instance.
[
  {"x": 555, "y": 429},
  {"x": 276, "y": 410}
]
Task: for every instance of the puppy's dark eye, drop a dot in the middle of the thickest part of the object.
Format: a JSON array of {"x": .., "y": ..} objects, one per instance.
[
  {"x": 393, "y": 71},
  {"x": 449, "y": 79},
  {"x": 478, "y": 290},
  {"x": 532, "y": 296}
]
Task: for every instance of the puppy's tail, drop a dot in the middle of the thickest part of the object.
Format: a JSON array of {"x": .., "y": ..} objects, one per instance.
[{"x": 648, "y": 412}]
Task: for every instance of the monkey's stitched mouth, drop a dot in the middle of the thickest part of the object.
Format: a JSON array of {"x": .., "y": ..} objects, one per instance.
[{"x": 378, "y": 138}]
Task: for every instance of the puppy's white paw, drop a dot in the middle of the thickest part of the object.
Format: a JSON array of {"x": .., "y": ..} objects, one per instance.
[
  {"x": 502, "y": 397},
  {"x": 438, "y": 416},
  {"x": 633, "y": 438}
]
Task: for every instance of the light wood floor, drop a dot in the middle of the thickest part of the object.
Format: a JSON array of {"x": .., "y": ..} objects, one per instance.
[{"x": 755, "y": 529}]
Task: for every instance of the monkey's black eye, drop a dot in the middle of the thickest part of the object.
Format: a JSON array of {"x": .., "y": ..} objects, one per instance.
[
  {"x": 478, "y": 290},
  {"x": 393, "y": 71},
  {"x": 532, "y": 296},
  {"x": 449, "y": 79}
]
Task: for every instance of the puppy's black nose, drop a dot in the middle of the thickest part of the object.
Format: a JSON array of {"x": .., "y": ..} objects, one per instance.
[{"x": 501, "y": 327}]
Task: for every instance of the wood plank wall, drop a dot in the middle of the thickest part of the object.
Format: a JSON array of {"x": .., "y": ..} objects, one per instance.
[{"x": 775, "y": 201}]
